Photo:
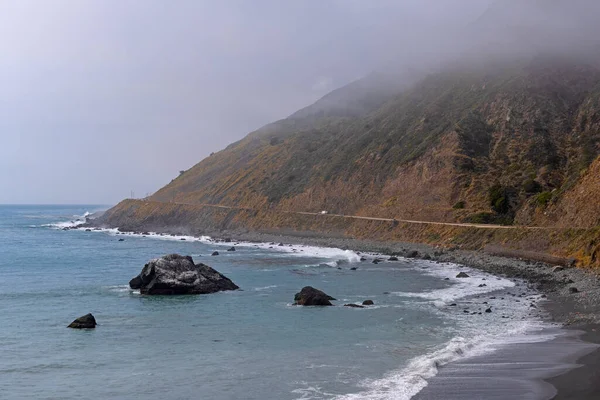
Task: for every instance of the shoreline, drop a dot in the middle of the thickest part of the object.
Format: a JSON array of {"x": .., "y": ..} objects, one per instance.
[{"x": 576, "y": 310}]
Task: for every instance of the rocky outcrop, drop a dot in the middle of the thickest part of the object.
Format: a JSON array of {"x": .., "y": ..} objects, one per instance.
[
  {"x": 462, "y": 275},
  {"x": 86, "y": 322},
  {"x": 175, "y": 274},
  {"x": 309, "y": 296}
]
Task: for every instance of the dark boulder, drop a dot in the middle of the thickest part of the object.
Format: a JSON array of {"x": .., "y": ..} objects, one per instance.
[
  {"x": 309, "y": 296},
  {"x": 368, "y": 303},
  {"x": 231, "y": 249},
  {"x": 363, "y": 259},
  {"x": 573, "y": 290},
  {"x": 393, "y": 259},
  {"x": 351, "y": 305},
  {"x": 375, "y": 261},
  {"x": 412, "y": 254},
  {"x": 489, "y": 310},
  {"x": 426, "y": 257},
  {"x": 462, "y": 275},
  {"x": 175, "y": 274},
  {"x": 353, "y": 269},
  {"x": 215, "y": 253},
  {"x": 121, "y": 240},
  {"x": 86, "y": 322},
  {"x": 136, "y": 282}
]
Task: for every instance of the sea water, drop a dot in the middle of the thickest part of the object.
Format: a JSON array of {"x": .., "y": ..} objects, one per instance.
[{"x": 246, "y": 344}]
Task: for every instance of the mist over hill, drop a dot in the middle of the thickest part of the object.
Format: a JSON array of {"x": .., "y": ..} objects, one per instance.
[{"x": 503, "y": 129}]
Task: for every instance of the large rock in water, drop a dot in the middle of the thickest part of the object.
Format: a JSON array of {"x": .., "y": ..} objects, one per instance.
[
  {"x": 309, "y": 296},
  {"x": 86, "y": 322},
  {"x": 175, "y": 274}
]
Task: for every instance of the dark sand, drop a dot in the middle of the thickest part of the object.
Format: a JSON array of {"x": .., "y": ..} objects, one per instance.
[{"x": 516, "y": 371}]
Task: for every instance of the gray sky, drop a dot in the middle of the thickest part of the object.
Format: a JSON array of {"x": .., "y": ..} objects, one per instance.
[{"x": 101, "y": 97}]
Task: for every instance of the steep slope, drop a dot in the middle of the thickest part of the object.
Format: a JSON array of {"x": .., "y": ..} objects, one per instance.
[{"x": 456, "y": 138}]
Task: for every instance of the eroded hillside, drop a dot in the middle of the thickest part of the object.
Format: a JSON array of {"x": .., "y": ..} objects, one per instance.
[{"x": 505, "y": 144}]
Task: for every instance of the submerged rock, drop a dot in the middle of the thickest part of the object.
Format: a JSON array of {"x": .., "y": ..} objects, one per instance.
[
  {"x": 86, "y": 322},
  {"x": 309, "y": 296},
  {"x": 215, "y": 253},
  {"x": 175, "y": 274},
  {"x": 231, "y": 249},
  {"x": 462, "y": 275},
  {"x": 352, "y": 305}
]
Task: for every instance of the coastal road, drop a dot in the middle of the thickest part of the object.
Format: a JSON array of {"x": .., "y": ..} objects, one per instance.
[{"x": 391, "y": 220}]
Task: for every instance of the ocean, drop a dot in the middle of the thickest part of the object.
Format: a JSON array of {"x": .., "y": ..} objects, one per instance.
[{"x": 246, "y": 344}]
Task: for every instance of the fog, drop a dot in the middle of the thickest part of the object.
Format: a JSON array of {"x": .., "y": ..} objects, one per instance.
[{"x": 100, "y": 98}]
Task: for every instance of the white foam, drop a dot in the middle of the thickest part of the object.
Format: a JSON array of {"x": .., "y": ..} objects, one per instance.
[
  {"x": 76, "y": 221},
  {"x": 461, "y": 287},
  {"x": 405, "y": 383},
  {"x": 332, "y": 253},
  {"x": 339, "y": 256},
  {"x": 260, "y": 289}
]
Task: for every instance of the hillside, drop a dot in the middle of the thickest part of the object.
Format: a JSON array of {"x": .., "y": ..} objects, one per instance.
[
  {"x": 502, "y": 144},
  {"x": 505, "y": 133}
]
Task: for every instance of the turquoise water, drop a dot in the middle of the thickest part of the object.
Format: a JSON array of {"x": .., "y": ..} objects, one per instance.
[{"x": 247, "y": 344}]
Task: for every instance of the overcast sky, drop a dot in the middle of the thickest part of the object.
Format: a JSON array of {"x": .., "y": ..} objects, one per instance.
[{"x": 99, "y": 98}]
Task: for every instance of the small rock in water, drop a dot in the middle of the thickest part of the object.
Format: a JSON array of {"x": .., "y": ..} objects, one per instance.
[
  {"x": 462, "y": 275},
  {"x": 489, "y": 310},
  {"x": 309, "y": 296},
  {"x": 280, "y": 244},
  {"x": 375, "y": 261},
  {"x": 363, "y": 259},
  {"x": 452, "y": 305},
  {"x": 353, "y": 269},
  {"x": 215, "y": 253},
  {"x": 351, "y": 305},
  {"x": 121, "y": 240},
  {"x": 182, "y": 239},
  {"x": 446, "y": 279},
  {"x": 393, "y": 259},
  {"x": 86, "y": 322},
  {"x": 368, "y": 303},
  {"x": 483, "y": 285},
  {"x": 231, "y": 249}
]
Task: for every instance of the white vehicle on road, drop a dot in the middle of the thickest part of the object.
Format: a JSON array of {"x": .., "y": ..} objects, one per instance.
[{"x": 324, "y": 212}]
